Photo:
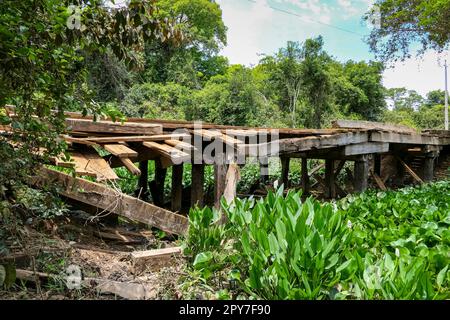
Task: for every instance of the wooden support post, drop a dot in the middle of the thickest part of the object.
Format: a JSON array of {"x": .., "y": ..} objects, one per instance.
[
  {"x": 377, "y": 164},
  {"x": 428, "y": 168},
  {"x": 157, "y": 185},
  {"x": 198, "y": 176},
  {"x": 361, "y": 173},
  {"x": 330, "y": 186},
  {"x": 264, "y": 170},
  {"x": 141, "y": 191},
  {"x": 220, "y": 171},
  {"x": 285, "y": 171},
  {"x": 400, "y": 174},
  {"x": 177, "y": 187},
  {"x": 305, "y": 176}
]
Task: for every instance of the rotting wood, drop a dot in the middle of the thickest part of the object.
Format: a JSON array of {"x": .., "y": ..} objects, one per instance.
[
  {"x": 111, "y": 200},
  {"x": 153, "y": 259},
  {"x": 361, "y": 174},
  {"x": 112, "y": 127},
  {"x": 220, "y": 170},
  {"x": 305, "y": 176}
]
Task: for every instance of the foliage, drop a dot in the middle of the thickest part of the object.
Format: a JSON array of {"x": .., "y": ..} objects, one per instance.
[
  {"x": 41, "y": 65},
  {"x": 386, "y": 245},
  {"x": 405, "y": 23},
  {"x": 156, "y": 100}
]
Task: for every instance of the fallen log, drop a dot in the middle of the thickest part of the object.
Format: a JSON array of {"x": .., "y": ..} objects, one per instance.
[{"x": 111, "y": 200}]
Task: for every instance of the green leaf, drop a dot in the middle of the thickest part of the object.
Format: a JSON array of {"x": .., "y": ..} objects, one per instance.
[
  {"x": 202, "y": 258},
  {"x": 441, "y": 276}
]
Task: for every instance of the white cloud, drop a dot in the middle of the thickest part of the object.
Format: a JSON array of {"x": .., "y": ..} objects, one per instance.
[{"x": 420, "y": 74}]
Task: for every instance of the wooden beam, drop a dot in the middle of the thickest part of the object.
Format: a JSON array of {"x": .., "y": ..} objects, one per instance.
[
  {"x": 130, "y": 166},
  {"x": 117, "y": 139},
  {"x": 173, "y": 154},
  {"x": 183, "y": 146},
  {"x": 285, "y": 171},
  {"x": 410, "y": 171},
  {"x": 157, "y": 185},
  {"x": 366, "y": 148},
  {"x": 88, "y": 162},
  {"x": 220, "y": 170},
  {"x": 378, "y": 180},
  {"x": 369, "y": 125},
  {"x": 121, "y": 151},
  {"x": 392, "y": 137},
  {"x": 177, "y": 187},
  {"x": 154, "y": 260},
  {"x": 293, "y": 145},
  {"x": 330, "y": 186},
  {"x": 305, "y": 176},
  {"x": 428, "y": 168},
  {"x": 361, "y": 172},
  {"x": 377, "y": 164},
  {"x": 197, "y": 188},
  {"x": 143, "y": 179},
  {"x": 231, "y": 180},
  {"x": 112, "y": 127},
  {"x": 111, "y": 200}
]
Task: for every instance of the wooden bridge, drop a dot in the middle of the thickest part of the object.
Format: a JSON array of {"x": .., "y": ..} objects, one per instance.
[{"x": 384, "y": 154}]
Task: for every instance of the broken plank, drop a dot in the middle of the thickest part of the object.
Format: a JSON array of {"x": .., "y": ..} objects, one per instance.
[
  {"x": 102, "y": 126},
  {"x": 153, "y": 259},
  {"x": 130, "y": 166},
  {"x": 111, "y": 200},
  {"x": 120, "y": 150},
  {"x": 97, "y": 165},
  {"x": 175, "y": 155}
]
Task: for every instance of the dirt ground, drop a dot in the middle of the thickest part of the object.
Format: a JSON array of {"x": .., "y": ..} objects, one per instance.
[{"x": 100, "y": 251}]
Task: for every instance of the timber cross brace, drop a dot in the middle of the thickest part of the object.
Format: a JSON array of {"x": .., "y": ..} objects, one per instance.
[{"x": 382, "y": 156}]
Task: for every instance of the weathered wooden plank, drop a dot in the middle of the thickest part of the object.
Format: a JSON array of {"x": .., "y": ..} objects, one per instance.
[
  {"x": 393, "y": 137},
  {"x": 112, "y": 127},
  {"x": 366, "y": 148},
  {"x": 130, "y": 166},
  {"x": 175, "y": 155},
  {"x": 89, "y": 163},
  {"x": 117, "y": 139},
  {"x": 183, "y": 146},
  {"x": 220, "y": 171},
  {"x": 111, "y": 200},
  {"x": 285, "y": 161},
  {"x": 121, "y": 151},
  {"x": 369, "y": 125},
  {"x": 154, "y": 259}
]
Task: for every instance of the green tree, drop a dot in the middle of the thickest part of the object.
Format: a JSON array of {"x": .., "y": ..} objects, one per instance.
[
  {"x": 195, "y": 60},
  {"x": 407, "y": 23},
  {"x": 401, "y": 98},
  {"x": 41, "y": 65},
  {"x": 435, "y": 97}
]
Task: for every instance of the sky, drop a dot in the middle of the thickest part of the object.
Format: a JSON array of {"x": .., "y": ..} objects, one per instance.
[{"x": 258, "y": 27}]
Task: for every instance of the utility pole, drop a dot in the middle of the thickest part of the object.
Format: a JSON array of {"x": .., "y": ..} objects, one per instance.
[{"x": 446, "y": 98}]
